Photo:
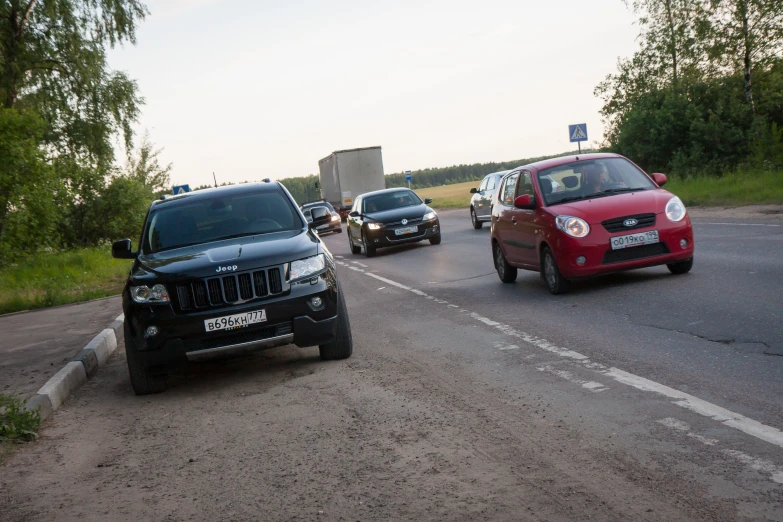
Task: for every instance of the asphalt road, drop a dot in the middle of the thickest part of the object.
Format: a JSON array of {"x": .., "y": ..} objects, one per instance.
[
  {"x": 715, "y": 332},
  {"x": 641, "y": 396}
]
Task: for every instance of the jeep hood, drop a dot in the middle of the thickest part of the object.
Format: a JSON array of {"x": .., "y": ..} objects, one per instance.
[{"x": 246, "y": 253}]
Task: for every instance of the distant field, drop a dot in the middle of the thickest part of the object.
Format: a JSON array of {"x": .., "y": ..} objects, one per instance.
[
  {"x": 49, "y": 279},
  {"x": 730, "y": 190},
  {"x": 449, "y": 196}
]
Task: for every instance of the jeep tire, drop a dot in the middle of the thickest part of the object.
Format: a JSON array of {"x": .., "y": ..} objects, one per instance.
[
  {"x": 142, "y": 381},
  {"x": 342, "y": 346}
]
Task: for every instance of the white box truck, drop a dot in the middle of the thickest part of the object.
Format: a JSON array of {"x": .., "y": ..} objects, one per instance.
[{"x": 346, "y": 174}]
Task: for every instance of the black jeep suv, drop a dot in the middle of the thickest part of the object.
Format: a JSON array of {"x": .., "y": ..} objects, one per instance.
[{"x": 225, "y": 271}]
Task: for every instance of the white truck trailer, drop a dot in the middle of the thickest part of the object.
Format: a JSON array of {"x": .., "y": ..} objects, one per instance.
[{"x": 346, "y": 174}]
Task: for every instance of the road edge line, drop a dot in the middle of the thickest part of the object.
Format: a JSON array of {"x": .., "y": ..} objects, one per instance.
[{"x": 77, "y": 371}]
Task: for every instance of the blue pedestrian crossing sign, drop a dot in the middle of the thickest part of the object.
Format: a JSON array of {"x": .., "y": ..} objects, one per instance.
[
  {"x": 180, "y": 189},
  {"x": 577, "y": 132}
]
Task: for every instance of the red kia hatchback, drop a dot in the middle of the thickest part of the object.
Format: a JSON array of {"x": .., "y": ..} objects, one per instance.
[{"x": 586, "y": 215}]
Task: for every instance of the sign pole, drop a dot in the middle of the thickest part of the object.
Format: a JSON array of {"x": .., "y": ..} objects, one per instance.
[{"x": 579, "y": 144}]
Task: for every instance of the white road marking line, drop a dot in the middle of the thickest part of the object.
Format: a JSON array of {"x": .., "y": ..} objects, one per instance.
[
  {"x": 593, "y": 386},
  {"x": 679, "y": 425},
  {"x": 742, "y": 224},
  {"x": 702, "y": 407},
  {"x": 381, "y": 288},
  {"x": 506, "y": 347},
  {"x": 684, "y": 400},
  {"x": 765, "y": 466},
  {"x": 757, "y": 464},
  {"x": 360, "y": 264}
]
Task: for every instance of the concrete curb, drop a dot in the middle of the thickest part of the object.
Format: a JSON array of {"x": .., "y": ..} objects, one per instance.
[{"x": 83, "y": 366}]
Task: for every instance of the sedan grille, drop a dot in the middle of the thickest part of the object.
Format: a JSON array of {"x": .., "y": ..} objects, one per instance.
[
  {"x": 618, "y": 224},
  {"x": 633, "y": 253},
  {"x": 230, "y": 289}
]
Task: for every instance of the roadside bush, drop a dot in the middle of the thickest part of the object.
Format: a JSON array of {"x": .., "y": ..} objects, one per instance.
[{"x": 16, "y": 423}]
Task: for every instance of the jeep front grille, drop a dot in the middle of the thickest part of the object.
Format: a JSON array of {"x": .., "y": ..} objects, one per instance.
[{"x": 232, "y": 289}]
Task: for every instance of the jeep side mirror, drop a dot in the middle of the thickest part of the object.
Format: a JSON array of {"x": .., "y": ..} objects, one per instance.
[
  {"x": 659, "y": 179},
  {"x": 321, "y": 216},
  {"x": 525, "y": 202},
  {"x": 473, "y": 190},
  {"x": 427, "y": 201},
  {"x": 122, "y": 250}
]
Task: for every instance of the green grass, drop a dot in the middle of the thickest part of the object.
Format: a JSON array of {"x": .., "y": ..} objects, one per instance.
[
  {"x": 731, "y": 190},
  {"x": 17, "y": 425},
  {"x": 449, "y": 196},
  {"x": 56, "y": 278}
]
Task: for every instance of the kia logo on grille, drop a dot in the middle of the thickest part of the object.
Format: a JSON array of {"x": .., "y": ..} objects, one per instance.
[
  {"x": 630, "y": 222},
  {"x": 404, "y": 221}
]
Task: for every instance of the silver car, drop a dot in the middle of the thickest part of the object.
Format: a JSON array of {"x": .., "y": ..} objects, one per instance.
[{"x": 483, "y": 196}]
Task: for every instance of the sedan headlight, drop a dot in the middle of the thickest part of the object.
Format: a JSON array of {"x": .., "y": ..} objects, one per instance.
[
  {"x": 374, "y": 226},
  {"x": 430, "y": 216},
  {"x": 144, "y": 294},
  {"x": 335, "y": 218},
  {"x": 675, "y": 210},
  {"x": 306, "y": 267},
  {"x": 573, "y": 226}
]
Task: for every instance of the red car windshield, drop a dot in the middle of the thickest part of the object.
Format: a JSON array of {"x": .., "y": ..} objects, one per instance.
[{"x": 590, "y": 179}]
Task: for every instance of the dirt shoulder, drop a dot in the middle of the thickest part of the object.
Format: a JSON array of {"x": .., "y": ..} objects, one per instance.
[{"x": 750, "y": 212}]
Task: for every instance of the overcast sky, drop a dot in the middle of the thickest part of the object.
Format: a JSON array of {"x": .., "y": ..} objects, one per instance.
[{"x": 253, "y": 89}]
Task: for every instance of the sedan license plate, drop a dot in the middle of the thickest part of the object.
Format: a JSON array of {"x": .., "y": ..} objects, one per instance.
[
  {"x": 406, "y": 230},
  {"x": 632, "y": 240},
  {"x": 229, "y": 322}
]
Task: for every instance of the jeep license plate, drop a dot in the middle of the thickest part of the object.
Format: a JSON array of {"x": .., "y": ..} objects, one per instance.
[{"x": 230, "y": 322}]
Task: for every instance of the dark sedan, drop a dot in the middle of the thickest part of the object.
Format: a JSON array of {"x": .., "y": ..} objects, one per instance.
[
  {"x": 391, "y": 217},
  {"x": 334, "y": 225}
]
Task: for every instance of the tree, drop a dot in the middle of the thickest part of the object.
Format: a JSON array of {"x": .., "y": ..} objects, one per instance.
[
  {"x": 747, "y": 32},
  {"x": 28, "y": 192},
  {"x": 52, "y": 59},
  {"x": 146, "y": 169},
  {"x": 672, "y": 34}
]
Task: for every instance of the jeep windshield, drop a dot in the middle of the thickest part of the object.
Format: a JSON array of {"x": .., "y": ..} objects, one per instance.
[
  {"x": 220, "y": 217},
  {"x": 589, "y": 179}
]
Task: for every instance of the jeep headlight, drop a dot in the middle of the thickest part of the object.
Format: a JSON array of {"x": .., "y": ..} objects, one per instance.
[
  {"x": 573, "y": 226},
  {"x": 307, "y": 267},
  {"x": 144, "y": 294},
  {"x": 675, "y": 210}
]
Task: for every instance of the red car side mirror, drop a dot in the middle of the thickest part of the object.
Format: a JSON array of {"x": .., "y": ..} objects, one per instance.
[
  {"x": 524, "y": 201},
  {"x": 659, "y": 179}
]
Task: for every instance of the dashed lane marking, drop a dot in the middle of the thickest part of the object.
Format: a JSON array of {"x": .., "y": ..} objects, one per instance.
[{"x": 764, "y": 466}]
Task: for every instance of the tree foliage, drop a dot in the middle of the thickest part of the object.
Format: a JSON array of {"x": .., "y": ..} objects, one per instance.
[
  {"x": 685, "y": 102},
  {"x": 63, "y": 108}
]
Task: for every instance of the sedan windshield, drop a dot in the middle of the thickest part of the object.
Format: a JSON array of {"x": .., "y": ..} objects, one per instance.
[
  {"x": 591, "y": 179},
  {"x": 390, "y": 201},
  {"x": 219, "y": 218}
]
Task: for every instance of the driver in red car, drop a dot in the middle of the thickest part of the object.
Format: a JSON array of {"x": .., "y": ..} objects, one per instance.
[{"x": 595, "y": 178}]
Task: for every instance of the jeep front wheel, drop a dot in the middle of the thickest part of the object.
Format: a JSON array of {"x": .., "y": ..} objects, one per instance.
[
  {"x": 142, "y": 381},
  {"x": 342, "y": 345}
]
